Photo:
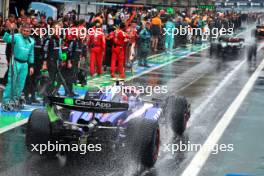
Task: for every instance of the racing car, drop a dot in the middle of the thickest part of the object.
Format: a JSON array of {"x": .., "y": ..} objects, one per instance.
[
  {"x": 226, "y": 44},
  {"x": 119, "y": 117}
]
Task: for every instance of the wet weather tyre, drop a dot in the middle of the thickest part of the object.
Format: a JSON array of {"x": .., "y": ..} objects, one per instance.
[
  {"x": 38, "y": 131},
  {"x": 143, "y": 138},
  {"x": 178, "y": 113}
]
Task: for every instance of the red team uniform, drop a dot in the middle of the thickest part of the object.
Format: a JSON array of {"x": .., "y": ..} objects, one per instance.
[
  {"x": 96, "y": 43},
  {"x": 133, "y": 36},
  {"x": 119, "y": 39}
]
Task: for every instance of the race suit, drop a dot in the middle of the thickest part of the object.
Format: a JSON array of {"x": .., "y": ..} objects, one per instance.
[
  {"x": 119, "y": 39},
  {"x": 57, "y": 67},
  {"x": 96, "y": 44},
  {"x": 130, "y": 53},
  {"x": 23, "y": 58},
  {"x": 32, "y": 81},
  {"x": 75, "y": 52},
  {"x": 169, "y": 36},
  {"x": 144, "y": 37}
]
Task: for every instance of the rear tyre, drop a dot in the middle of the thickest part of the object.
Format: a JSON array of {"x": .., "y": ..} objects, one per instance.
[
  {"x": 178, "y": 113},
  {"x": 143, "y": 138},
  {"x": 39, "y": 131}
]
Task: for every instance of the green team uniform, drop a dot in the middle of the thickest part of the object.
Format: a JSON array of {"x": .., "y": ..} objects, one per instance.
[
  {"x": 169, "y": 37},
  {"x": 23, "y": 57}
]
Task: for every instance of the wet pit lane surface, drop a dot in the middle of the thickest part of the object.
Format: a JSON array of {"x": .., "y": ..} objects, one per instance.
[
  {"x": 244, "y": 134},
  {"x": 209, "y": 83}
]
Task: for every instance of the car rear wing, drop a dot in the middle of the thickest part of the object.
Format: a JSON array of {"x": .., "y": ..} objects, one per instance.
[
  {"x": 260, "y": 27},
  {"x": 88, "y": 105},
  {"x": 231, "y": 39}
]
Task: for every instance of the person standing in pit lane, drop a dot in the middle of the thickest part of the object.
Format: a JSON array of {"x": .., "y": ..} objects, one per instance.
[
  {"x": 11, "y": 21},
  {"x": 119, "y": 38},
  {"x": 156, "y": 28},
  {"x": 57, "y": 65},
  {"x": 75, "y": 53},
  {"x": 23, "y": 58},
  {"x": 110, "y": 20},
  {"x": 43, "y": 22},
  {"x": 144, "y": 37},
  {"x": 31, "y": 82},
  {"x": 169, "y": 35},
  {"x": 98, "y": 18},
  {"x": 131, "y": 47},
  {"x": 82, "y": 65},
  {"x": 68, "y": 71},
  {"x": 97, "y": 45},
  {"x": 50, "y": 22}
]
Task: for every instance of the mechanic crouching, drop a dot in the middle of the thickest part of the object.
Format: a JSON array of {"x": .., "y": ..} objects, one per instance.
[{"x": 23, "y": 58}]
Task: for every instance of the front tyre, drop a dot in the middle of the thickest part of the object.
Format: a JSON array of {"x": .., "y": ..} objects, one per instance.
[{"x": 178, "y": 113}]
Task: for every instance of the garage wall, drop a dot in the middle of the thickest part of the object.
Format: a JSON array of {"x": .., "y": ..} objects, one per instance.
[{"x": 84, "y": 8}]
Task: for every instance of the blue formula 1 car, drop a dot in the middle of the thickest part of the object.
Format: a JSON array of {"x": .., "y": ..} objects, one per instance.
[{"x": 115, "y": 116}]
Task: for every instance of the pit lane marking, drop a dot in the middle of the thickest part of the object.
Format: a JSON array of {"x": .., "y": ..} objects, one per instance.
[
  {"x": 167, "y": 63},
  {"x": 199, "y": 160},
  {"x": 14, "y": 125},
  {"x": 220, "y": 87}
]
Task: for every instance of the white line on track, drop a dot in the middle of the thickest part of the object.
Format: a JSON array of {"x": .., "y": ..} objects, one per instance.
[
  {"x": 14, "y": 125},
  {"x": 200, "y": 108},
  {"x": 205, "y": 103},
  {"x": 202, "y": 155}
]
